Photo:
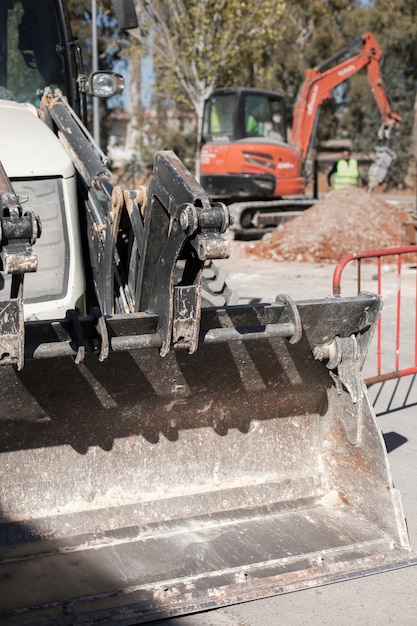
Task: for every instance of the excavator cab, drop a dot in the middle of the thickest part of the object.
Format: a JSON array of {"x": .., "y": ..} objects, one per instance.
[
  {"x": 235, "y": 114},
  {"x": 244, "y": 146}
]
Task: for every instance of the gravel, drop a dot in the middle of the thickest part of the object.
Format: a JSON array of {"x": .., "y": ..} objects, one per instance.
[{"x": 346, "y": 220}]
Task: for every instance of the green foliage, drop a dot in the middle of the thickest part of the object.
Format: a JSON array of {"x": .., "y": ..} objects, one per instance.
[
  {"x": 197, "y": 45},
  {"x": 111, "y": 43},
  {"x": 179, "y": 133}
]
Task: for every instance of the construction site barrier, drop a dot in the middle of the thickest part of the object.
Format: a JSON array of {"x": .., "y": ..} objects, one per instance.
[{"x": 396, "y": 344}]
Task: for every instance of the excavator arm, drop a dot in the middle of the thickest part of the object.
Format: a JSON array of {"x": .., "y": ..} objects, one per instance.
[{"x": 321, "y": 80}]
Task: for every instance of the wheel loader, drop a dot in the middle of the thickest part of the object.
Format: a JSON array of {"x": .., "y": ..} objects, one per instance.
[{"x": 160, "y": 455}]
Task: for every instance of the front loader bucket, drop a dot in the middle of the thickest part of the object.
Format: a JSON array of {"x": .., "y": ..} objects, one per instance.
[{"x": 147, "y": 486}]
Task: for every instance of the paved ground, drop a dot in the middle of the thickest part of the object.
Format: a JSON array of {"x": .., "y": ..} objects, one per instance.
[{"x": 379, "y": 600}]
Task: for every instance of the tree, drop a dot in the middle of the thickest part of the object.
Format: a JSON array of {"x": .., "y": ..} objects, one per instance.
[{"x": 199, "y": 44}]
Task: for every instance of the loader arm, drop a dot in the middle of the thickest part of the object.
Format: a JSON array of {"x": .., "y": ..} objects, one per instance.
[
  {"x": 181, "y": 221},
  {"x": 321, "y": 80}
]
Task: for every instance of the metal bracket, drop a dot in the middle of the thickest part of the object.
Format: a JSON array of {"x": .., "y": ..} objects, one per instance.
[
  {"x": 182, "y": 224},
  {"x": 293, "y": 315},
  {"x": 12, "y": 332},
  {"x": 18, "y": 233},
  {"x": 343, "y": 355}
]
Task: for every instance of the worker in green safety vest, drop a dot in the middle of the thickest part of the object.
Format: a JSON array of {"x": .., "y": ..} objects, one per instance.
[
  {"x": 215, "y": 126},
  {"x": 345, "y": 172}
]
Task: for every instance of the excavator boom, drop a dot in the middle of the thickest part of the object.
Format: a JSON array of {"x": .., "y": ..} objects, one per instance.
[{"x": 321, "y": 80}]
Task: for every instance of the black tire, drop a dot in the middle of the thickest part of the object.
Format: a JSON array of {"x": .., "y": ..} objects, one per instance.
[
  {"x": 246, "y": 219},
  {"x": 215, "y": 291}
]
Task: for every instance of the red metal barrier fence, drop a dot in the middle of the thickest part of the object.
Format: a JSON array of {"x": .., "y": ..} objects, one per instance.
[{"x": 399, "y": 338}]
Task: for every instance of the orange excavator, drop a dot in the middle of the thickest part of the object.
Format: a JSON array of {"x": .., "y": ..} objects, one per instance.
[{"x": 246, "y": 159}]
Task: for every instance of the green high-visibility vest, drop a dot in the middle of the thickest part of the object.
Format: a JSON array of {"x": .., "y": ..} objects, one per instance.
[
  {"x": 215, "y": 126},
  {"x": 347, "y": 173}
]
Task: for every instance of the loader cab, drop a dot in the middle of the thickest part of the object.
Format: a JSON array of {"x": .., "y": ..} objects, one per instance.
[
  {"x": 36, "y": 50},
  {"x": 238, "y": 114}
]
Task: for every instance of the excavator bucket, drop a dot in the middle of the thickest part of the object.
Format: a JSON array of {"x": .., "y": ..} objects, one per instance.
[{"x": 173, "y": 460}]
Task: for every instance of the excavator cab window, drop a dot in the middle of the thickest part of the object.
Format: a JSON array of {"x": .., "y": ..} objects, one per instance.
[
  {"x": 31, "y": 49},
  {"x": 219, "y": 114},
  {"x": 236, "y": 114},
  {"x": 264, "y": 116}
]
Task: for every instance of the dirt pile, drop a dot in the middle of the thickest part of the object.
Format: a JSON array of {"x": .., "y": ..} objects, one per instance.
[{"x": 346, "y": 220}]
